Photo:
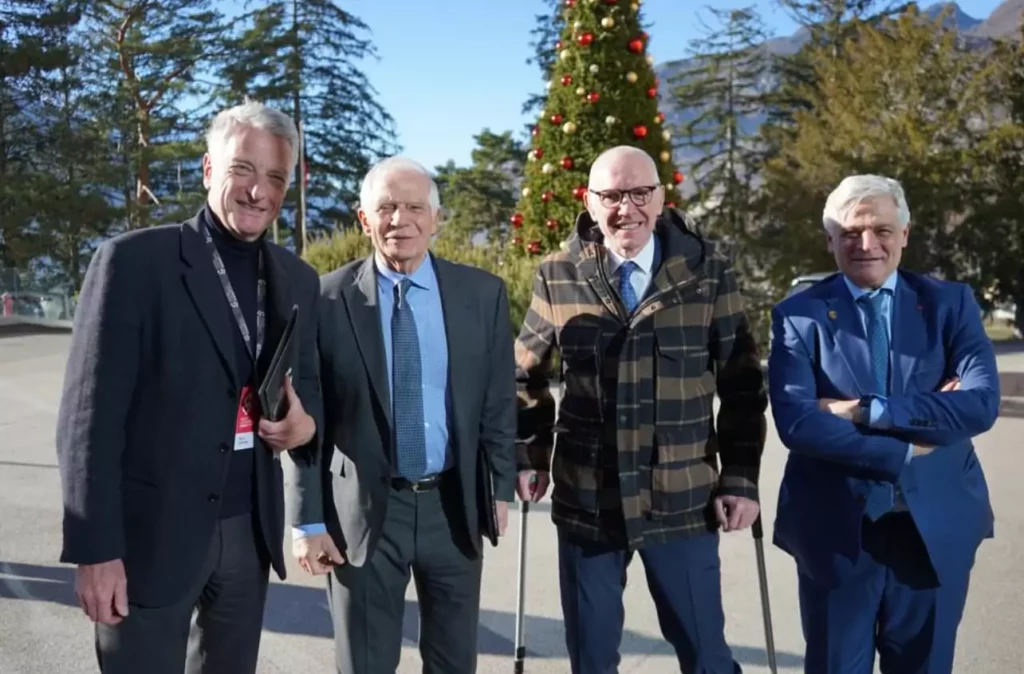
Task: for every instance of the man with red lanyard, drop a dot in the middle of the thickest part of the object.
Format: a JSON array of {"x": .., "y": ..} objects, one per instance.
[{"x": 172, "y": 480}]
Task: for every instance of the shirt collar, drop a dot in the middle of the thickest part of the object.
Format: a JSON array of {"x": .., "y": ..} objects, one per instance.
[
  {"x": 644, "y": 260},
  {"x": 423, "y": 277},
  {"x": 857, "y": 292}
]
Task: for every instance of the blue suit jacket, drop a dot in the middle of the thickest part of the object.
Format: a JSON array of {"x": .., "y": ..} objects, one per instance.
[{"x": 819, "y": 350}]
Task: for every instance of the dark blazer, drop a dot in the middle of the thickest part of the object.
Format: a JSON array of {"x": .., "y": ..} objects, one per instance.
[
  {"x": 147, "y": 415},
  {"x": 355, "y": 468},
  {"x": 819, "y": 350}
]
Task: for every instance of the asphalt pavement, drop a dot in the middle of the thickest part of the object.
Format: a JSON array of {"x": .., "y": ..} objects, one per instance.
[{"x": 42, "y": 631}]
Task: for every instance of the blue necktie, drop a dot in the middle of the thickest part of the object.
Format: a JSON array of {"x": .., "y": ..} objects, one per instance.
[
  {"x": 407, "y": 388},
  {"x": 626, "y": 290},
  {"x": 878, "y": 340},
  {"x": 881, "y": 497}
]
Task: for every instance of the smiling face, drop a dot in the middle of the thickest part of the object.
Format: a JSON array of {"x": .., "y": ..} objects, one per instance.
[
  {"x": 625, "y": 199},
  {"x": 868, "y": 246},
  {"x": 399, "y": 218},
  {"x": 246, "y": 177}
]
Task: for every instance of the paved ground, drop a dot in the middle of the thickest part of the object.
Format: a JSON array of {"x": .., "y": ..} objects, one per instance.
[{"x": 42, "y": 630}]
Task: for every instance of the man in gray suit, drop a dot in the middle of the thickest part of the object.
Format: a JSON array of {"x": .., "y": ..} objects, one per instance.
[{"x": 418, "y": 379}]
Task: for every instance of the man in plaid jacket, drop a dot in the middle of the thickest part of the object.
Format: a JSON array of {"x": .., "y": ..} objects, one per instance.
[{"x": 649, "y": 322}]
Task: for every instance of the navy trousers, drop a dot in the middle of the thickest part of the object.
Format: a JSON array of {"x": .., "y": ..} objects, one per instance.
[
  {"x": 891, "y": 603},
  {"x": 684, "y": 578}
]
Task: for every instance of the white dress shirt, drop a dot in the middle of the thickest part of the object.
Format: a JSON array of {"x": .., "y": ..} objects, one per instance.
[{"x": 644, "y": 260}]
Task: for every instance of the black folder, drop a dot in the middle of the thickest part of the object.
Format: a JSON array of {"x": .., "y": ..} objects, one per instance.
[
  {"x": 486, "y": 503},
  {"x": 271, "y": 391}
]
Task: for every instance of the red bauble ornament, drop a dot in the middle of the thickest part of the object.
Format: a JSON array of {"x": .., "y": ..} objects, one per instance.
[
  {"x": 611, "y": 2},
  {"x": 556, "y": 119},
  {"x": 517, "y": 240},
  {"x": 567, "y": 163},
  {"x": 640, "y": 131},
  {"x": 517, "y": 220},
  {"x": 552, "y": 224},
  {"x": 585, "y": 39},
  {"x": 535, "y": 131},
  {"x": 547, "y": 196},
  {"x": 570, "y": 3},
  {"x": 636, "y": 46},
  {"x": 558, "y": 46},
  {"x": 538, "y": 153},
  {"x": 652, "y": 93},
  {"x": 579, "y": 192},
  {"x": 678, "y": 177},
  {"x": 593, "y": 96},
  {"x": 670, "y": 204},
  {"x": 660, "y": 117},
  {"x": 534, "y": 247},
  {"x": 566, "y": 80}
]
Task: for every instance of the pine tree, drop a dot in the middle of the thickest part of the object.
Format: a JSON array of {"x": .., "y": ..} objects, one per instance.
[
  {"x": 602, "y": 93},
  {"x": 302, "y": 57}
]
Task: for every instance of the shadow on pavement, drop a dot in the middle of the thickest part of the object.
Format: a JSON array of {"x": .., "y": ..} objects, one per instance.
[{"x": 302, "y": 610}]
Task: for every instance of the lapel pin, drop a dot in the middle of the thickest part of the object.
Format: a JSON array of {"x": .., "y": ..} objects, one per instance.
[{"x": 832, "y": 314}]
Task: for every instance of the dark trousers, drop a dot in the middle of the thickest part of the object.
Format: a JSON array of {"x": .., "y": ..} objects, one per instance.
[
  {"x": 892, "y": 602},
  {"x": 424, "y": 538},
  {"x": 227, "y": 602},
  {"x": 684, "y": 578}
]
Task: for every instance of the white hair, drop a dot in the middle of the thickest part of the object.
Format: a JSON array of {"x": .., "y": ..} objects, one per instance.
[
  {"x": 254, "y": 115},
  {"x": 855, "y": 189},
  {"x": 397, "y": 163}
]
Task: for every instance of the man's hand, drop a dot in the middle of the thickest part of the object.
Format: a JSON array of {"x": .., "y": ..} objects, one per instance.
[
  {"x": 102, "y": 591},
  {"x": 844, "y": 409},
  {"x": 923, "y": 450},
  {"x": 533, "y": 484},
  {"x": 501, "y": 510},
  {"x": 294, "y": 430},
  {"x": 950, "y": 385},
  {"x": 735, "y": 512},
  {"x": 317, "y": 554}
]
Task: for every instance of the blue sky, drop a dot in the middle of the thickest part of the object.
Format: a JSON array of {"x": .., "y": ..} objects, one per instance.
[{"x": 446, "y": 69}]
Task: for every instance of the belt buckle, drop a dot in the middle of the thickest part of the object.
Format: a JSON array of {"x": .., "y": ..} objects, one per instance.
[{"x": 416, "y": 487}]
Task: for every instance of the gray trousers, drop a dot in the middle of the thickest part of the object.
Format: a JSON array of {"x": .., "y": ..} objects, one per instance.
[
  {"x": 214, "y": 629},
  {"x": 424, "y": 538}
]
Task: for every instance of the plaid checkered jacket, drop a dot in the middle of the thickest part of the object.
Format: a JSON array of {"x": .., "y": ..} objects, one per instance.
[{"x": 636, "y": 457}]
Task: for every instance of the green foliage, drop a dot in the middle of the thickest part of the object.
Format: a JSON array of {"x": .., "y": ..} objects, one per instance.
[
  {"x": 477, "y": 199},
  {"x": 602, "y": 92},
  {"x": 329, "y": 252},
  {"x": 901, "y": 103}
]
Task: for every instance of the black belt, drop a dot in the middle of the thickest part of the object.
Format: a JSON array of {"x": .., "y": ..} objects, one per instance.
[{"x": 426, "y": 484}]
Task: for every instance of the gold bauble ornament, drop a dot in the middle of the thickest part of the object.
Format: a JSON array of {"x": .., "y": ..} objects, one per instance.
[
  {"x": 577, "y": 25},
  {"x": 547, "y": 168},
  {"x": 569, "y": 127},
  {"x": 665, "y": 155},
  {"x": 580, "y": 91},
  {"x": 565, "y": 55},
  {"x": 608, "y": 22},
  {"x": 635, "y": 7},
  {"x": 666, "y": 134},
  {"x": 650, "y": 60},
  {"x": 594, "y": 68},
  {"x": 632, "y": 77},
  {"x": 525, "y": 192},
  {"x": 609, "y": 120}
]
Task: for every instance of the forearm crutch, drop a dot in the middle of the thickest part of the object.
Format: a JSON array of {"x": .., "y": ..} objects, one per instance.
[
  {"x": 520, "y": 645},
  {"x": 766, "y": 610}
]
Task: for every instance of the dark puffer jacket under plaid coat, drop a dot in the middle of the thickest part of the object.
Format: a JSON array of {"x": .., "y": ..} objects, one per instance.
[{"x": 636, "y": 460}]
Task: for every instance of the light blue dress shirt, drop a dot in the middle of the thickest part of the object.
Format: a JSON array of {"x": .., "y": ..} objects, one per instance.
[
  {"x": 879, "y": 416},
  {"x": 424, "y": 297}
]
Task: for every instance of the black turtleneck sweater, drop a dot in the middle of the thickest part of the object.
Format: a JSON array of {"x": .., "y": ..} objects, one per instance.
[{"x": 241, "y": 260}]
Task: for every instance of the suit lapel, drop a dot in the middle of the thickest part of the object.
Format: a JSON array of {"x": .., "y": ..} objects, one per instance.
[
  {"x": 909, "y": 333},
  {"x": 205, "y": 290},
  {"x": 844, "y": 324},
  {"x": 364, "y": 312},
  {"x": 280, "y": 301},
  {"x": 457, "y": 318}
]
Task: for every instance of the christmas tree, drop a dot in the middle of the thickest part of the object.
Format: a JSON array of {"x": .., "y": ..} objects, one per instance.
[{"x": 602, "y": 93}]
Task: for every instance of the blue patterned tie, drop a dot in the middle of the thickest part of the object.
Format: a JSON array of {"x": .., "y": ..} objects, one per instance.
[
  {"x": 407, "y": 388},
  {"x": 881, "y": 497},
  {"x": 626, "y": 290},
  {"x": 878, "y": 340}
]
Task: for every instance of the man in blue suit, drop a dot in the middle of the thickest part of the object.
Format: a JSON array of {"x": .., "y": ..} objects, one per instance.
[{"x": 878, "y": 380}]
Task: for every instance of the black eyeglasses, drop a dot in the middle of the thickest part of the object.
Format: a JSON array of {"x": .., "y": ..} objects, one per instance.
[{"x": 640, "y": 196}]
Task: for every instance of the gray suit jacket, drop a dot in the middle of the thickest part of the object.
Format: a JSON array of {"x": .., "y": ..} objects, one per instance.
[{"x": 348, "y": 488}]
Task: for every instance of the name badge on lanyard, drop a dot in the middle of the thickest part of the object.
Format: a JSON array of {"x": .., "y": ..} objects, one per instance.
[{"x": 245, "y": 419}]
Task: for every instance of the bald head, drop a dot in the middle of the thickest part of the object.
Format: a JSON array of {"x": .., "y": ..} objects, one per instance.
[
  {"x": 619, "y": 160},
  {"x": 625, "y": 198}
]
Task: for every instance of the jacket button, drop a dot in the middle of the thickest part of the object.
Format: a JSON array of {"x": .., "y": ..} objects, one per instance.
[{"x": 213, "y": 498}]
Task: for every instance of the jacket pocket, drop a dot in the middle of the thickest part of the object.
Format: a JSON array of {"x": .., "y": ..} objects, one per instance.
[
  {"x": 576, "y": 473},
  {"x": 683, "y": 475}
]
